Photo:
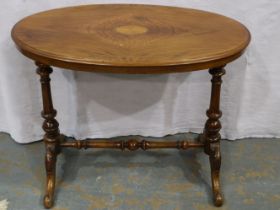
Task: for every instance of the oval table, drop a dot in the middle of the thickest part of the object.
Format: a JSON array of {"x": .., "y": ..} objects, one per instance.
[{"x": 131, "y": 39}]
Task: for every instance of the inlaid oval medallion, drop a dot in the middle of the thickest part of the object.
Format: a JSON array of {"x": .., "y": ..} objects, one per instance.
[{"x": 131, "y": 29}]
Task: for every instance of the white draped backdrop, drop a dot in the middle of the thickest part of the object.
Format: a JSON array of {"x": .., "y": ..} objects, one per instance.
[{"x": 106, "y": 105}]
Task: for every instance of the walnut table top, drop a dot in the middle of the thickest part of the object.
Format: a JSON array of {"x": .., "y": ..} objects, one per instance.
[{"x": 130, "y": 38}]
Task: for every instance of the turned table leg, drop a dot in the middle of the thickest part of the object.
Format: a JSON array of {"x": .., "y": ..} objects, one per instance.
[
  {"x": 211, "y": 135},
  {"x": 51, "y": 137}
]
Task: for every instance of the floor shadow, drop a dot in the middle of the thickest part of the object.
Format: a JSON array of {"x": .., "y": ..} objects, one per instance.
[
  {"x": 190, "y": 162},
  {"x": 196, "y": 162}
]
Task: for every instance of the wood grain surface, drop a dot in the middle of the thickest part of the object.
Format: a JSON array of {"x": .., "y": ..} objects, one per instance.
[{"x": 122, "y": 38}]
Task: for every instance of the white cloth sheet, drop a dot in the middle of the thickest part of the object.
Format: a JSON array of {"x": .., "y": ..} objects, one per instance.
[{"x": 106, "y": 105}]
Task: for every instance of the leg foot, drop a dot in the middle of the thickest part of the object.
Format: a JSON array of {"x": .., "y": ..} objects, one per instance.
[
  {"x": 215, "y": 162},
  {"x": 50, "y": 163},
  {"x": 48, "y": 202}
]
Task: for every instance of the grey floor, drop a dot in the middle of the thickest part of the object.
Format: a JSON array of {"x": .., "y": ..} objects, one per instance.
[{"x": 151, "y": 180}]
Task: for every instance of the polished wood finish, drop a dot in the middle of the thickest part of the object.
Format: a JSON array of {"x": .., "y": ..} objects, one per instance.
[
  {"x": 131, "y": 144},
  {"x": 131, "y": 38},
  {"x": 212, "y": 136},
  {"x": 52, "y": 135}
]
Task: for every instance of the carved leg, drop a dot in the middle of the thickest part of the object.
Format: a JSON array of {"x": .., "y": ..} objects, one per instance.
[
  {"x": 211, "y": 135},
  {"x": 52, "y": 135}
]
